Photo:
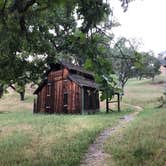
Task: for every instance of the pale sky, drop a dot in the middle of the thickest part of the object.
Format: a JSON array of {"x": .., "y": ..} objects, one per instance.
[{"x": 144, "y": 20}]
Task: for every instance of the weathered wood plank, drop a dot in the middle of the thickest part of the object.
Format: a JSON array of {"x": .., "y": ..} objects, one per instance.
[{"x": 51, "y": 97}]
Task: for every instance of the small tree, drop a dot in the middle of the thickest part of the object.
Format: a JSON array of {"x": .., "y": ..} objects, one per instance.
[
  {"x": 107, "y": 83},
  {"x": 109, "y": 88},
  {"x": 150, "y": 66},
  {"x": 125, "y": 59}
]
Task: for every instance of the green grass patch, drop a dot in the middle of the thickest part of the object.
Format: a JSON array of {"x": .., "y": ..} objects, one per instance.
[{"x": 12, "y": 148}]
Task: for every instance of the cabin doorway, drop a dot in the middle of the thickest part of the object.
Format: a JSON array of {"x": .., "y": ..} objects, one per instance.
[{"x": 88, "y": 98}]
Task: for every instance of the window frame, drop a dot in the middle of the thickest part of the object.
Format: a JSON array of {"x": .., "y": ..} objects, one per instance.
[{"x": 49, "y": 89}]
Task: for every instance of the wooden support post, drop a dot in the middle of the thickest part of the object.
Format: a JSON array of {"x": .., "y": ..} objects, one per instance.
[
  {"x": 34, "y": 106},
  {"x": 82, "y": 97},
  {"x": 118, "y": 102}
]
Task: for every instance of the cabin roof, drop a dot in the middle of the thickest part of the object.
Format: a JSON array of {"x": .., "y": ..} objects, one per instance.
[
  {"x": 70, "y": 67},
  {"x": 76, "y": 68},
  {"x": 82, "y": 81},
  {"x": 79, "y": 79}
]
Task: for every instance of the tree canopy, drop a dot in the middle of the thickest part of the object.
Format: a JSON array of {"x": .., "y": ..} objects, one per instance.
[
  {"x": 125, "y": 59},
  {"x": 150, "y": 66},
  {"x": 35, "y": 33},
  {"x": 30, "y": 28}
]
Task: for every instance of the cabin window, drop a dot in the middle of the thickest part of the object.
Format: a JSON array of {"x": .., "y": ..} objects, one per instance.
[
  {"x": 88, "y": 92},
  {"x": 65, "y": 99},
  {"x": 49, "y": 89}
]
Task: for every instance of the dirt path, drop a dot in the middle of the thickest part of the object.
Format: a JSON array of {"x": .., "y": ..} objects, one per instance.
[{"x": 95, "y": 155}]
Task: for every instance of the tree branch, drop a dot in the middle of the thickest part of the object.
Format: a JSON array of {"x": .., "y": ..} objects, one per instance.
[{"x": 10, "y": 85}]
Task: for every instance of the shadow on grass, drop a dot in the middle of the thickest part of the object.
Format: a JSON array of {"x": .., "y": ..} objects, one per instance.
[{"x": 4, "y": 112}]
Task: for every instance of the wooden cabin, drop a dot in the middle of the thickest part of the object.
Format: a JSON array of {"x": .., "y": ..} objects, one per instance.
[{"x": 67, "y": 89}]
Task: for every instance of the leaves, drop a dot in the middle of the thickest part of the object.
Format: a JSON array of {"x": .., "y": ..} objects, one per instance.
[
  {"x": 35, "y": 33},
  {"x": 125, "y": 60}
]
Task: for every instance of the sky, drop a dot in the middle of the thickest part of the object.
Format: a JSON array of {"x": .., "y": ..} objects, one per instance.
[{"x": 144, "y": 20}]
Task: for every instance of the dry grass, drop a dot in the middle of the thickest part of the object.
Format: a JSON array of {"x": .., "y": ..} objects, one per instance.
[
  {"x": 27, "y": 139},
  {"x": 10, "y": 102},
  {"x": 143, "y": 92},
  {"x": 143, "y": 142}
]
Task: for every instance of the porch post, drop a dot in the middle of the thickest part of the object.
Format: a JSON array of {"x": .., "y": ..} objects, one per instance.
[{"x": 118, "y": 102}]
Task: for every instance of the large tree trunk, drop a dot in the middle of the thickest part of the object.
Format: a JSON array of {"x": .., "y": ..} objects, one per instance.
[
  {"x": 1, "y": 91},
  {"x": 140, "y": 77},
  {"x": 22, "y": 95}
]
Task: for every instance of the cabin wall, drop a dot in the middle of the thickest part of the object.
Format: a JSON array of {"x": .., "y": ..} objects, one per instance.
[
  {"x": 57, "y": 80},
  {"x": 52, "y": 97},
  {"x": 67, "y": 97},
  {"x": 61, "y": 95},
  {"x": 58, "y": 75},
  {"x": 74, "y": 97},
  {"x": 58, "y": 96},
  {"x": 49, "y": 97}
]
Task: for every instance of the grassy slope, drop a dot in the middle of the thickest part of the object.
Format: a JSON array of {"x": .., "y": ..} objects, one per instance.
[
  {"x": 27, "y": 139},
  {"x": 143, "y": 142}
]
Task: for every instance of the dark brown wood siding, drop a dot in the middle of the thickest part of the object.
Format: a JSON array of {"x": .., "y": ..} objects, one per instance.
[
  {"x": 74, "y": 97},
  {"x": 61, "y": 95}
]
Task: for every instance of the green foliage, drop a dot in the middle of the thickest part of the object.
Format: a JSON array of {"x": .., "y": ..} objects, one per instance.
[
  {"x": 49, "y": 28},
  {"x": 103, "y": 75},
  {"x": 125, "y": 60},
  {"x": 92, "y": 12},
  {"x": 150, "y": 66},
  {"x": 32, "y": 28}
]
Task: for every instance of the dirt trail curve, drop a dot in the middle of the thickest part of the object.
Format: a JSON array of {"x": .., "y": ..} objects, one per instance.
[{"x": 95, "y": 155}]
